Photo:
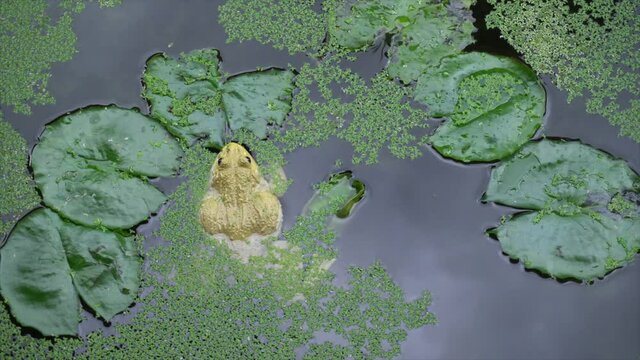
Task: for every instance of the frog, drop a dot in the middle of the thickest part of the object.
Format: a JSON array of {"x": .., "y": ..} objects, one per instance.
[{"x": 239, "y": 203}]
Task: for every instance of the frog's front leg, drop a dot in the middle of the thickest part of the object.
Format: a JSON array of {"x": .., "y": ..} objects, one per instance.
[
  {"x": 213, "y": 215},
  {"x": 269, "y": 213}
]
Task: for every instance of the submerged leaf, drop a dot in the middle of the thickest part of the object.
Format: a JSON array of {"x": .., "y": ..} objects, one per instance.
[
  {"x": 91, "y": 166},
  {"x": 495, "y": 104},
  {"x": 47, "y": 262},
  {"x": 581, "y": 226},
  {"x": 340, "y": 191}
]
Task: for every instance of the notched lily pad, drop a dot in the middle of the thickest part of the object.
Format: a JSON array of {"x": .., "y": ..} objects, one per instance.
[
  {"x": 184, "y": 95},
  {"x": 48, "y": 262},
  {"x": 342, "y": 188},
  {"x": 494, "y": 105},
  {"x": 584, "y": 220},
  {"x": 192, "y": 100},
  {"x": 92, "y": 166}
]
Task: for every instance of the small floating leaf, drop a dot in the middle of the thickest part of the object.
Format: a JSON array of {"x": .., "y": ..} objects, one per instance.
[
  {"x": 91, "y": 165},
  {"x": 48, "y": 262},
  {"x": 581, "y": 226},
  {"x": 340, "y": 187},
  {"x": 494, "y": 104}
]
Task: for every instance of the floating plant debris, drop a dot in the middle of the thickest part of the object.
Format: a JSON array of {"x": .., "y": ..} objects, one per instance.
[
  {"x": 48, "y": 262},
  {"x": 494, "y": 105},
  {"x": 579, "y": 224}
]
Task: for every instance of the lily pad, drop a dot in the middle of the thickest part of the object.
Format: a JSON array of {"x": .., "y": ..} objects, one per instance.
[
  {"x": 580, "y": 247},
  {"x": 436, "y": 32},
  {"x": 584, "y": 219},
  {"x": 340, "y": 187},
  {"x": 91, "y": 166},
  {"x": 494, "y": 105},
  {"x": 551, "y": 171},
  {"x": 192, "y": 100},
  {"x": 254, "y": 100},
  {"x": 48, "y": 262},
  {"x": 422, "y": 33}
]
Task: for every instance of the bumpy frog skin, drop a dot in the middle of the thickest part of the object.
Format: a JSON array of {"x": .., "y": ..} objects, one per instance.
[{"x": 239, "y": 203}]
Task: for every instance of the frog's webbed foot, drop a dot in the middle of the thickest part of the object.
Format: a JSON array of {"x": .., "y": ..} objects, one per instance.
[
  {"x": 212, "y": 215},
  {"x": 269, "y": 213}
]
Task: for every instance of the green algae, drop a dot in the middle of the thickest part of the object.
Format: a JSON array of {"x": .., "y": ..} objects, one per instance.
[
  {"x": 368, "y": 116},
  {"x": 201, "y": 302},
  {"x": 589, "y": 48},
  {"x": 286, "y": 24},
  {"x": 17, "y": 190}
]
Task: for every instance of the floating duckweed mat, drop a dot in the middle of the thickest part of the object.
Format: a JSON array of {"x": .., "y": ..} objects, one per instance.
[
  {"x": 589, "y": 48},
  {"x": 200, "y": 301},
  {"x": 30, "y": 42},
  {"x": 17, "y": 191}
]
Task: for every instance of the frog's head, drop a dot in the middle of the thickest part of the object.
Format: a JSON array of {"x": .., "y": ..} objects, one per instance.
[{"x": 235, "y": 167}]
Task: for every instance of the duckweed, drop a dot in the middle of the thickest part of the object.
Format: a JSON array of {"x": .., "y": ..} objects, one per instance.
[
  {"x": 17, "y": 190},
  {"x": 589, "y": 48}
]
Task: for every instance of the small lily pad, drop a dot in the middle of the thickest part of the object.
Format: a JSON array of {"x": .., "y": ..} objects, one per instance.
[
  {"x": 48, "y": 262},
  {"x": 340, "y": 187},
  {"x": 91, "y": 166},
  {"x": 494, "y": 105},
  {"x": 583, "y": 220}
]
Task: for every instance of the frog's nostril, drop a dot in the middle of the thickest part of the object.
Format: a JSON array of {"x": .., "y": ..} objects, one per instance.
[{"x": 219, "y": 161}]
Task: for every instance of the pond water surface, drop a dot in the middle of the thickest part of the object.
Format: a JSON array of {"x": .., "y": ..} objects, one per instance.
[{"x": 422, "y": 219}]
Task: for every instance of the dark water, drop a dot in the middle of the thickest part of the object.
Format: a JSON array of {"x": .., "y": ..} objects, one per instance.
[{"x": 422, "y": 219}]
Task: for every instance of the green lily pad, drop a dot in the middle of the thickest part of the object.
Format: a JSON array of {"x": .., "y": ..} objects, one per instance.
[
  {"x": 184, "y": 95},
  {"x": 494, "y": 105},
  {"x": 340, "y": 187},
  {"x": 192, "y": 100},
  {"x": 422, "y": 33},
  {"x": 92, "y": 165},
  {"x": 48, "y": 262},
  {"x": 585, "y": 219},
  {"x": 435, "y": 33},
  {"x": 580, "y": 247},
  {"x": 255, "y": 99},
  {"x": 556, "y": 171}
]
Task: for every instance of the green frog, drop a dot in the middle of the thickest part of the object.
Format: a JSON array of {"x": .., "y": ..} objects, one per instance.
[{"x": 239, "y": 203}]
